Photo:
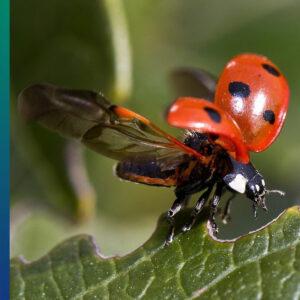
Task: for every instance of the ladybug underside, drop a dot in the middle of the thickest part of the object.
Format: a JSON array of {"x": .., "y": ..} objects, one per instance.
[{"x": 219, "y": 174}]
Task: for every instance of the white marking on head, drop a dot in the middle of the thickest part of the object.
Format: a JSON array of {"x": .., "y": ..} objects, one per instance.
[
  {"x": 257, "y": 187},
  {"x": 263, "y": 182},
  {"x": 239, "y": 183}
]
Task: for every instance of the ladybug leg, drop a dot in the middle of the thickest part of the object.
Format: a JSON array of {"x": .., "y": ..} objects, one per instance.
[
  {"x": 255, "y": 206},
  {"x": 263, "y": 204},
  {"x": 178, "y": 204},
  {"x": 226, "y": 212},
  {"x": 214, "y": 205},
  {"x": 197, "y": 209}
]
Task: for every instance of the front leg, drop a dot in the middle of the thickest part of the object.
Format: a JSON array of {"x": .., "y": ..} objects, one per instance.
[
  {"x": 197, "y": 209},
  {"x": 226, "y": 212},
  {"x": 178, "y": 204},
  {"x": 254, "y": 208},
  {"x": 214, "y": 206}
]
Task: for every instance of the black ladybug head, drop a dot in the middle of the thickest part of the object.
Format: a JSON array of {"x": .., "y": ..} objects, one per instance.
[
  {"x": 245, "y": 179},
  {"x": 256, "y": 189}
]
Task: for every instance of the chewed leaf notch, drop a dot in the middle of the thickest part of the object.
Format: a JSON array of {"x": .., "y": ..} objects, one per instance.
[{"x": 194, "y": 266}]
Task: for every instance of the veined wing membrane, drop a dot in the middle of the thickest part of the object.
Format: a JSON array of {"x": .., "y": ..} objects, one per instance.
[
  {"x": 123, "y": 140},
  {"x": 68, "y": 112},
  {"x": 111, "y": 130}
]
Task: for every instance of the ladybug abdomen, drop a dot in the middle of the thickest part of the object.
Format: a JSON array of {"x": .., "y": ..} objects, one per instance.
[{"x": 255, "y": 94}]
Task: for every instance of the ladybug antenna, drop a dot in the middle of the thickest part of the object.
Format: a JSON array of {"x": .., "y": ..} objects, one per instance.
[{"x": 281, "y": 193}]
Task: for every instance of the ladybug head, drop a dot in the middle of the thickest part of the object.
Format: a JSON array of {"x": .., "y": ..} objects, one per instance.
[
  {"x": 245, "y": 179},
  {"x": 256, "y": 189}
]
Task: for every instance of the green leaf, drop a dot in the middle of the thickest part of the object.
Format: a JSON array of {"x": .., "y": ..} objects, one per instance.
[
  {"x": 75, "y": 44},
  {"x": 263, "y": 264}
]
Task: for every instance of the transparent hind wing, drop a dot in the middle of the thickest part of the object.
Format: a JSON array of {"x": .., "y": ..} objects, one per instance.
[{"x": 113, "y": 131}]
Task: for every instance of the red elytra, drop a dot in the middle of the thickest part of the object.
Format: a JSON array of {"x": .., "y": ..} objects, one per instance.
[
  {"x": 251, "y": 102},
  {"x": 203, "y": 116},
  {"x": 253, "y": 91}
]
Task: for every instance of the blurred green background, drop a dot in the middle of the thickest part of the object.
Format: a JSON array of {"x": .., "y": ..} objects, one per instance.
[{"x": 127, "y": 49}]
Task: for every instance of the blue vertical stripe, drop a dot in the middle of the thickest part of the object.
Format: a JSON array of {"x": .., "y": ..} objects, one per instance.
[{"x": 4, "y": 150}]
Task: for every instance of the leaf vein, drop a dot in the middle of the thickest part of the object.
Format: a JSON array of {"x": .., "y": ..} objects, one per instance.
[
  {"x": 23, "y": 282},
  {"x": 114, "y": 277},
  {"x": 230, "y": 270},
  {"x": 81, "y": 267},
  {"x": 147, "y": 286},
  {"x": 54, "y": 280},
  {"x": 259, "y": 280},
  {"x": 179, "y": 273}
]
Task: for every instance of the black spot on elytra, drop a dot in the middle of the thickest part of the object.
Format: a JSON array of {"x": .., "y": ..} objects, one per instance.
[
  {"x": 271, "y": 70},
  {"x": 269, "y": 116},
  {"x": 239, "y": 89},
  {"x": 213, "y": 114}
]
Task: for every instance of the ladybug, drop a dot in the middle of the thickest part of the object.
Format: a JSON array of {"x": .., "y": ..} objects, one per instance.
[{"x": 223, "y": 119}]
